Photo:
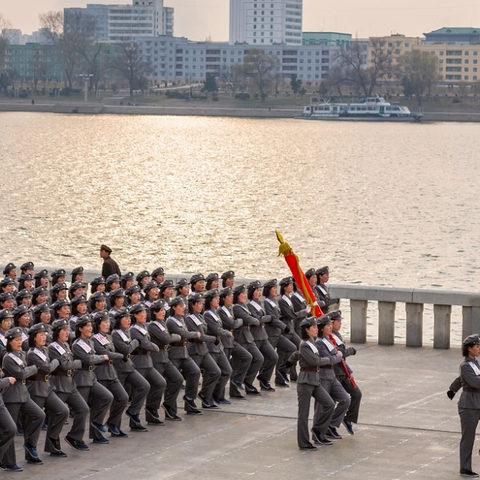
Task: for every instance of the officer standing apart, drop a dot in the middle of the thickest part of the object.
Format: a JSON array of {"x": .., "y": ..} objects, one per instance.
[{"x": 110, "y": 266}]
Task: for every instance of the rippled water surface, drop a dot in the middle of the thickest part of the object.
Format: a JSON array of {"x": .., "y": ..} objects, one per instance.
[{"x": 383, "y": 204}]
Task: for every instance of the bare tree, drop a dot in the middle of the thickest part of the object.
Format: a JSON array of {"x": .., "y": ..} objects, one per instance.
[
  {"x": 4, "y": 26},
  {"x": 261, "y": 69}
]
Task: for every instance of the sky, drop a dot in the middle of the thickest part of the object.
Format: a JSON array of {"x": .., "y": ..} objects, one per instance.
[{"x": 202, "y": 19}]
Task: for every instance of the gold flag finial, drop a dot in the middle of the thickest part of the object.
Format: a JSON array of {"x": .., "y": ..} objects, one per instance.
[{"x": 284, "y": 247}]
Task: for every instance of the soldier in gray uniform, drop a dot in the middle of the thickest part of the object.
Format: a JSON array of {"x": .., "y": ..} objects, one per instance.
[
  {"x": 17, "y": 400},
  {"x": 142, "y": 359},
  {"x": 244, "y": 337},
  {"x": 65, "y": 388},
  {"x": 197, "y": 283},
  {"x": 260, "y": 335},
  {"x": 183, "y": 290},
  {"x": 127, "y": 373},
  {"x": 228, "y": 279},
  {"x": 469, "y": 403},
  {"x": 76, "y": 289},
  {"x": 159, "y": 335},
  {"x": 41, "y": 279},
  {"x": 240, "y": 359},
  {"x": 95, "y": 394},
  {"x": 213, "y": 282},
  {"x": 127, "y": 280},
  {"x": 6, "y": 321},
  {"x": 117, "y": 301},
  {"x": 79, "y": 308},
  {"x": 199, "y": 351},
  {"x": 299, "y": 304},
  {"x": 325, "y": 301},
  {"x": 308, "y": 386},
  {"x": 215, "y": 329},
  {"x": 77, "y": 274},
  {"x": 178, "y": 354},
  {"x": 42, "y": 390},
  {"x": 158, "y": 275},
  {"x": 7, "y": 425}
]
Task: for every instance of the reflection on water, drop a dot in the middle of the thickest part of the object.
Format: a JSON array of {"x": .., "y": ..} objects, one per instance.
[{"x": 383, "y": 204}]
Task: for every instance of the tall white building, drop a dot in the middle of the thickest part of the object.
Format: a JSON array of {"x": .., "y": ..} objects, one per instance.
[{"x": 258, "y": 22}]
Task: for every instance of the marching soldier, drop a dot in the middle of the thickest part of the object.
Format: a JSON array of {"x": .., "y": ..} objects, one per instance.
[
  {"x": 58, "y": 276},
  {"x": 127, "y": 280},
  {"x": 77, "y": 275},
  {"x": 6, "y": 321},
  {"x": 7, "y": 425},
  {"x": 97, "y": 285},
  {"x": 76, "y": 289},
  {"x": 213, "y": 281},
  {"x": 183, "y": 290},
  {"x": 41, "y": 279},
  {"x": 228, "y": 279},
  {"x": 158, "y": 275},
  {"x": 197, "y": 283},
  {"x": 325, "y": 302}
]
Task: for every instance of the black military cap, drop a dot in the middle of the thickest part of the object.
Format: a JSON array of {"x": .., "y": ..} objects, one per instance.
[
  {"x": 166, "y": 284},
  {"x": 150, "y": 285},
  {"x": 100, "y": 316},
  {"x": 83, "y": 320},
  {"x": 158, "y": 271},
  {"x": 6, "y": 296},
  {"x": 62, "y": 302},
  {"x": 13, "y": 333},
  {"x": 27, "y": 266},
  {"x": 112, "y": 278},
  {"x": 226, "y": 291},
  {"x": 310, "y": 272},
  {"x": 240, "y": 288},
  {"x": 196, "y": 297},
  {"x": 39, "y": 290},
  {"x": 26, "y": 276},
  {"x": 212, "y": 293},
  {"x": 7, "y": 281},
  {"x": 38, "y": 328},
  {"x": 60, "y": 272},
  {"x": 122, "y": 312},
  {"x": 8, "y": 268},
  {"x": 5, "y": 313},
  {"x": 181, "y": 283},
  {"x": 196, "y": 278},
  {"x": 75, "y": 285},
  {"x": 211, "y": 277},
  {"x": 98, "y": 296},
  {"x": 19, "y": 311},
  {"x": 158, "y": 305},
  {"x": 324, "y": 320},
  {"x": 336, "y": 315},
  {"x": 60, "y": 324},
  {"x": 134, "y": 288},
  {"x": 44, "y": 307},
  {"x": 77, "y": 271},
  {"x": 98, "y": 281},
  {"x": 59, "y": 286},
  {"x": 41, "y": 274},
  {"x": 137, "y": 308},
  {"x": 271, "y": 283},
  {"x": 229, "y": 274},
  {"x": 308, "y": 322},
  {"x": 78, "y": 300},
  {"x": 106, "y": 248},
  {"x": 322, "y": 271},
  {"x": 286, "y": 281},
  {"x": 473, "y": 339},
  {"x": 254, "y": 285},
  {"x": 24, "y": 293},
  {"x": 142, "y": 274},
  {"x": 128, "y": 276},
  {"x": 176, "y": 301},
  {"x": 119, "y": 292}
]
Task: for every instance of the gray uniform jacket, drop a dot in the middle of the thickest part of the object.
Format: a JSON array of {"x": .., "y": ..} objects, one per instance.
[
  {"x": 196, "y": 323},
  {"x": 84, "y": 351},
  {"x": 276, "y": 327},
  {"x": 142, "y": 355},
  {"x": 124, "y": 344},
  {"x": 299, "y": 302},
  {"x": 309, "y": 356},
  {"x": 3, "y": 345},
  {"x": 4, "y": 384},
  {"x": 40, "y": 385},
  {"x": 256, "y": 308},
  {"x": 103, "y": 345},
  {"x": 288, "y": 313},
  {"x": 15, "y": 365},
  {"x": 230, "y": 323},
  {"x": 176, "y": 325},
  {"x": 215, "y": 329},
  {"x": 243, "y": 334},
  {"x": 162, "y": 339},
  {"x": 339, "y": 371},
  {"x": 470, "y": 377},
  {"x": 62, "y": 376},
  {"x": 328, "y": 350}
]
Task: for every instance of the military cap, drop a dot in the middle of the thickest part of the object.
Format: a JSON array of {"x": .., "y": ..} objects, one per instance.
[
  {"x": 286, "y": 281},
  {"x": 13, "y": 333},
  {"x": 8, "y": 268},
  {"x": 158, "y": 271},
  {"x": 100, "y": 316},
  {"x": 473, "y": 339},
  {"x": 105, "y": 248},
  {"x": 226, "y": 291},
  {"x": 62, "y": 302},
  {"x": 150, "y": 285},
  {"x": 122, "y": 312},
  {"x": 310, "y": 272},
  {"x": 324, "y": 320},
  {"x": 25, "y": 277},
  {"x": 196, "y": 297},
  {"x": 78, "y": 300},
  {"x": 39, "y": 290},
  {"x": 254, "y": 285},
  {"x": 196, "y": 278},
  {"x": 27, "y": 266},
  {"x": 134, "y": 288},
  {"x": 83, "y": 320},
  {"x": 308, "y": 322},
  {"x": 128, "y": 276},
  {"x": 138, "y": 307},
  {"x": 142, "y": 274},
  {"x": 60, "y": 272},
  {"x": 176, "y": 301},
  {"x": 229, "y": 274},
  {"x": 5, "y": 313},
  {"x": 24, "y": 293},
  {"x": 181, "y": 283},
  {"x": 19, "y": 311},
  {"x": 77, "y": 271},
  {"x": 158, "y": 305},
  {"x": 43, "y": 307},
  {"x": 37, "y": 328},
  {"x": 7, "y": 281},
  {"x": 98, "y": 296},
  {"x": 336, "y": 315},
  {"x": 59, "y": 286},
  {"x": 166, "y": 284},
  {"x": 60, "y": 324},
  {"x": 98, "y": 281},
  {"x": 6, "y": 296},
  {"x": 119, "y": 292},
  {"x": 322, "y": 271},
  {"x": 270, "y": 283},
  {"x": 75, "y": 285},
  {"x": 41, "y": 274},
  {"x": 211, "y": 277},
  {"x": 240, "y": 289},
  {"x": 212, "y": 293},
  {"x": 112, "y": 278}
]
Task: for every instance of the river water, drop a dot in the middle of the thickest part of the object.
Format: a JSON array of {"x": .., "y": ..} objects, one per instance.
[{"x": 381, "y": 204}]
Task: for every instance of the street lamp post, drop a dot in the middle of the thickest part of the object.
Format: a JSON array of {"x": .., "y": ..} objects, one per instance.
[{"x": 86, "y": 77}]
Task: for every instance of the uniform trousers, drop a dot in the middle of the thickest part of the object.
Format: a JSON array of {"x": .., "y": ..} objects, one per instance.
[
  {"x": 57, "y": 414},
  {"x": 80, "y": 410},
  {"x": 33, "y": 417},
  {"x": 155, "y": 394},
  {"x": 211, "y": 374},
  {"x": 139, "y": 386},
  {"x": 226, "y": 371},
  {"x": 256, "y": 364},
  {"x": 304, "y": 393},
  {"x": 191, "y": 373},
  {"x": 120, "y": 400},
  {"x": 355, "y": 399},
  {"x": 240, "y": 360},
  {"x": 99, "y": 399},
  {"x": 7, "y": 431},
  {"x": 469, "y": 418},
  {"x": 174, "y": 381},
  {"x": 284, "y": 349},
  {"x": 270, "y": 359},
  {"x": 339, "y": 395}
]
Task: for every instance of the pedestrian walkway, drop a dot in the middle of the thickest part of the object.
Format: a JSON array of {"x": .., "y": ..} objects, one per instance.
[{"x": 408, "y": 429}]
